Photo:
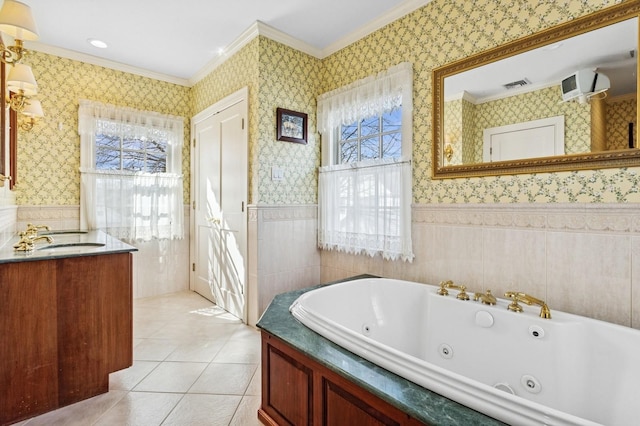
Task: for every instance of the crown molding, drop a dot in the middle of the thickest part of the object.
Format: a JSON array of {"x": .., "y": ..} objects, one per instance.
[
  {"x": 502, "y": 95},
  {"x": 260, "y": 28},
  {"x": 256, "y": 29},
  {"x": 518, "y": 91},
  {"x": 241, "y": 41},
  {"x": 621, "y": 98},
  {"x": 94, "y": 60},
  {"x": 284, "y": 38},
  {"x": 397, "y": 12},
  {"x": 464, "y": 95}
]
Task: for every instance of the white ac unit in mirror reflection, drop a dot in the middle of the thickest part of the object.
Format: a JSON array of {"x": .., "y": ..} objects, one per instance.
[{"x": 582, "y": 85}]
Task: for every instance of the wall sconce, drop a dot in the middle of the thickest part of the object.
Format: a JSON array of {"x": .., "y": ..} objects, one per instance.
[
  {"x": 16, "y": 21},
  {"x": 448, "y": 152},
  {"x": 2, "y": 179},
  {"x": 31, "y": 111},
  {"x": 22, "y": 84}
]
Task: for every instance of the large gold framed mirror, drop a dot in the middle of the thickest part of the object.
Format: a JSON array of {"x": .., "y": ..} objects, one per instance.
[
  {"x": 562, "y": 99},
  {"x": 3, "y": 125}
]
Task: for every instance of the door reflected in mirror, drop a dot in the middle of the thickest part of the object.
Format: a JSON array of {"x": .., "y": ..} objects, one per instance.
[{"x": 559, "y": 100}]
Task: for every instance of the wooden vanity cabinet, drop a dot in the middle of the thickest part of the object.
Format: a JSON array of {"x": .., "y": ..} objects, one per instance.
[
  {"x": 297, "y": 390},
  {"x": 65, "y": 324}
]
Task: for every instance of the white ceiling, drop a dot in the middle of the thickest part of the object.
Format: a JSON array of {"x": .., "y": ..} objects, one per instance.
[
  {"x": 606, "y": 50},
  {"x": 180, "y": 38}
]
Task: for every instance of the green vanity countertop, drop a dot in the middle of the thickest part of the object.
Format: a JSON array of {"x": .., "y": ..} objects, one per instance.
[
  {"x": 420, "y": 403},
  {"x": 65, "y": 244}
]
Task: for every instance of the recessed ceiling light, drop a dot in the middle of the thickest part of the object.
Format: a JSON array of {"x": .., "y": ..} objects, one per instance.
[{"x": 97, "y": 43}]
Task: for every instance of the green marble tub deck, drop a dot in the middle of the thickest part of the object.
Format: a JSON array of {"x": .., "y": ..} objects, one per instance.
[{"x": 422, "y": 404}]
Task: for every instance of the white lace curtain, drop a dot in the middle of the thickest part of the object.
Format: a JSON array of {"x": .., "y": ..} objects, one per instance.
[
  {"x": 365, "y": 98},
  {"x": 365, "y": 207},
  {"x": 134, "y": 206}
]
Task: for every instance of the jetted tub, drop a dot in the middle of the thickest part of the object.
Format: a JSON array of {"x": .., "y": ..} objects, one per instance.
[{"x": 516, "y": 367}]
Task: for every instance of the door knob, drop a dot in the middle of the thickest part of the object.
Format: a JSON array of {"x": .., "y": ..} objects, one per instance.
[{"x": 215, "y": 220}]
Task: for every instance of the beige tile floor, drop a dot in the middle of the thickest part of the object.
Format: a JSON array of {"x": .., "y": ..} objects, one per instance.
[{"x": 194, "y": 364}]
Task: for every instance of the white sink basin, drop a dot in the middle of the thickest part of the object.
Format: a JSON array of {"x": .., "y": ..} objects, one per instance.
[
  {"x": 71, "y": 246},
  {"x": 63, "y": 232}
]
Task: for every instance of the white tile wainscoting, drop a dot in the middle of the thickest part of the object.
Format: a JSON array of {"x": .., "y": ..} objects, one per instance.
[
  {"x": 8, "y": 214},
  {"x": 580, "y": 258},
  {"x": 159, "y": 267},
  {"x": 283, "y": 252},
  {"x": 55, "y": 217}
]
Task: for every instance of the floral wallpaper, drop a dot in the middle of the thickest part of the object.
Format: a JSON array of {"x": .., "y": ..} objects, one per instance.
[
  {"x": 621, "y": 112},
  {"x": 240, "y": 70},
  {"x": 278, "y": 76},
  {"x": 454, "y": 120},
  {"x": 469, "y": 148},
  {"x": 49, "y": 155},
  {"x": 447, "y": 30},
  {"x": 288, "y": 79},
  {"x": 598, "y": 186}
]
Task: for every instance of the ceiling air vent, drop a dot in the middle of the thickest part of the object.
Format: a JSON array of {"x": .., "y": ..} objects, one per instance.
[{"x": 518, "y": 83}]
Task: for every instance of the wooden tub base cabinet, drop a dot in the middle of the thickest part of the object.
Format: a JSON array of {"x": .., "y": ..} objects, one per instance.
[
  {"x": 65, "y": 324},
  {"x": 297, "y": 390}
]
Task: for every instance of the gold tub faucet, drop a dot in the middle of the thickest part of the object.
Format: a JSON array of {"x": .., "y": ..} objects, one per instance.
[
  {"x": 462, "y": 290},
  {"x": 516, "y": 297},
  {"x": 443, "y": 287},
  {"x": 486, "y": 298}
]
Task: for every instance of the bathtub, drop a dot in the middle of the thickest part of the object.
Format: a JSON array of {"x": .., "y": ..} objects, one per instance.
[{"x": 516, "y": 367}]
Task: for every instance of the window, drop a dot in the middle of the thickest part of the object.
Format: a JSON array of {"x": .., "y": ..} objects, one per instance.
[
  {"x": 116, "y": 152},
  {"x": 374, "y": 137},
  {"x": 364, "y": 184},
  {"x": 131, "y": 172}
]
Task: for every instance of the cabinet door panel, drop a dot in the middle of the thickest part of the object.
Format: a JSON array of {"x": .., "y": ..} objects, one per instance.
[
  {"x": 28, "y": 349},
  {"x": 290, "y": 395},
  {"x": 343, "y": 408},
  {"x": 94, "y": 314},
  {"x": 297, "y": 390}
]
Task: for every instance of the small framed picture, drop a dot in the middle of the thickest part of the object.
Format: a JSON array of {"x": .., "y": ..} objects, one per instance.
[{"x": 291, "y": 125}]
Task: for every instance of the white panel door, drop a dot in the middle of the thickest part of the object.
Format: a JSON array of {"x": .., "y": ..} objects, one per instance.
[
  {"x": 220, "y": 180},
  {"x": 532, "y": 139}
]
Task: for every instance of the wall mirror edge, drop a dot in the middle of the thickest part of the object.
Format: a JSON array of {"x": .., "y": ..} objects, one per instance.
[{"x": 589, "y": 161}]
